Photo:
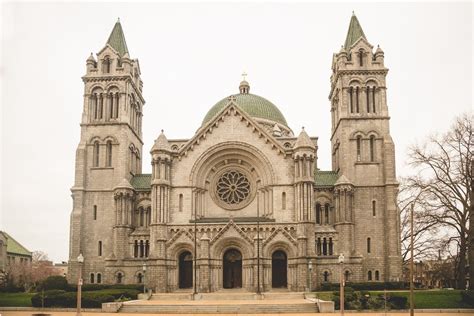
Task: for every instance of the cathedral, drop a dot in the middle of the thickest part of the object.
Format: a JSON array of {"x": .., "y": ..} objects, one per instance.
[{"x": 241, "y": 203}]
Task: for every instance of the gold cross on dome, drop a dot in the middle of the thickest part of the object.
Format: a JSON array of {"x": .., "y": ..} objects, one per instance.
[{"x": 244, "y": 75}]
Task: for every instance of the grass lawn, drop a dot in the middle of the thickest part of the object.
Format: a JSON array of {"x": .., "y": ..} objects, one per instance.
[
  {"x": 423, "y": 299},
  {"x": 16, "y": 299}
]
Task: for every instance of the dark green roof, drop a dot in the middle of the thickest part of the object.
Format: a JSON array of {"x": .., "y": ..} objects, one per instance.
[
  {"x": 325, "y": 179},
  {"x": 117, "y": 39},
  {"x": 15, "y": 247},
  {"x": 141, "y": 182},
  {"x": 253, "y": 105},
  {"x": 354, "y": 33}
]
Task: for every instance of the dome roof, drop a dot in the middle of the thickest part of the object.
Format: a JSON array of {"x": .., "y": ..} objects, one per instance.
[{"x": 253, "y": 105}]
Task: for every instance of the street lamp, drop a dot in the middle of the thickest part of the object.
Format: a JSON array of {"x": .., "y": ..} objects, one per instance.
[
  {"x": 341, "y": 262},
  {"x": 80, "y": 260},
  {"x": 412, "y": 310},
  {"x": 144, "y": 271},
  {"x": 310, "y": 267}
]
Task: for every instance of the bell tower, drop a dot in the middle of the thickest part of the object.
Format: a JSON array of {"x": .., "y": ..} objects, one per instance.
[
  {"x": 110, "y": 148},
  {"x": 364, "y": 153}
]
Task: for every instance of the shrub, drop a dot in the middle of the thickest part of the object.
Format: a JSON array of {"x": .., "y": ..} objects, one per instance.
[
  {"x": 397, "y": 302},
  {"x": 366, "y": 286},
  {"x": 90, "y": 299},
  {"x": 98, "y": 287},
  {"x": 468, "y": 297},
  {"x": 54, "y": 282}
]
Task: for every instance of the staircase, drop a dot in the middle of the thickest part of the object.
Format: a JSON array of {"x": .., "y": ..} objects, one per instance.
[{"x": 223, "y": 302}]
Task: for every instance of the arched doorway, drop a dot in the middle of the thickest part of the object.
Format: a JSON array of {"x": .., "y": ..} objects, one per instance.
[
  {"x": 185, "y": 270},
  {"x": 279, "y": 269},
  {"x": 232, "y": 269}
]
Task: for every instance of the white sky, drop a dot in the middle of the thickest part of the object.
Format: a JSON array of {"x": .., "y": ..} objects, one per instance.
[{"x": 191, "y": 56}]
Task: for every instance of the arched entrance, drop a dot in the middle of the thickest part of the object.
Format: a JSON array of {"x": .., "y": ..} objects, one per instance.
[
  {"x": 279, "y": 269},
  {"x": 232, "y": 269},
  {"x": 185, "y": 270}
]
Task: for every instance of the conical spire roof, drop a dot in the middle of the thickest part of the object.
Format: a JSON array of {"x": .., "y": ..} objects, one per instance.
[
  {"x": 117, "y": 39},
  {"x": 303, "y": 140},
  {"x": 354, "y": 33},
  {"x": 161, "y": 143}
]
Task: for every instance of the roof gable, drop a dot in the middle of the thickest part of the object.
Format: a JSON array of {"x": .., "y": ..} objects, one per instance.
[{"x": 15, "y": 247}]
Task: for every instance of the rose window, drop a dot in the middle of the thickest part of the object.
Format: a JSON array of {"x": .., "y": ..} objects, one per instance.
[{"x": 232, "y": 187}]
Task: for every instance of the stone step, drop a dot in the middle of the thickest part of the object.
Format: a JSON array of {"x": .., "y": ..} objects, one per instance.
[
  {"x": 221, "y": 309},
  {"x": 171, "y": 296},
  {"x": 283, "y": 295}
]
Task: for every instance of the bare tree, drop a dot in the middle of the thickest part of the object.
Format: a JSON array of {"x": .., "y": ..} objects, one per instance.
[{"x": 443, "y": 181}]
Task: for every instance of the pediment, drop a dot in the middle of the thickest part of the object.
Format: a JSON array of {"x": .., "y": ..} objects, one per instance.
[
  {"x": 231, "y": 109},
  {"x": 181, "y": 236},
  {"x": 231, "y": 230},
  {"x": 280, "y": 235},
  {"x": 107, "y": 50},
  {"x": 361, "y": 43}
]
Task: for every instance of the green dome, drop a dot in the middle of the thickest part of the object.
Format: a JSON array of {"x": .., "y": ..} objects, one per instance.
[{"x": 253, "y": 105}]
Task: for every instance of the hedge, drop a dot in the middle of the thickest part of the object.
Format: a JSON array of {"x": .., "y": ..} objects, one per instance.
[
  {"x": 90, "y": 299},
  {"x": 362, "y": 300},
  {"x": 468, "y": 297},
  {"x": 97, "y": 287},
  {"x": 54, "y": 282},
  {"x": 369, "y": 286}
]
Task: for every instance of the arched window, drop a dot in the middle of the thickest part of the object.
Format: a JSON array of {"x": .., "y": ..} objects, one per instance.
[
  {"x": 359, "y": 145},
  {"x": 119, "y": 277},
  {"x": 140, "y": 278},
  {"x": 373, "y": 99},
  {"x": 99, "y": 250},
  {"x": 361, "y": 58},
  {"x": 109, "y": 153},
  {"x": 100, "y": 109},
  {"x": 142, "y": 215},
  {"x": 326, "y": 214},
  {"x": 374, "y": 207},
  {"x": 95, "y": 212},
  {"x": 148, "y": 215},
  {"x": 96, "y": 154},
  {"x": 318, "y": 213},
  {"x": 369, "y": 275},
  {"x": 326, "y": 276},
  {"x": 377, "y": 275},
  {"x": 318, "y": 246},
  {"x": 142, "y": 249},
  {"x": 135, "y": 249},
  {"x": 181, "y": 202},
  {"x": 368, "y": 245},
  {"x": 367, "y": 94},
  {"x": 351, "y": 99},
  {"x": 106, "y": 65},
  {"x": 92, "y": 277},
  {"x": 325, "y": 247},
  {"x": 147, "y": 248},
  {"x": 372, "y": 148},
  {"x": 99, "y": 278},
  {"x": 357, "y": 99},
  {"x": 283, "y": 201},
  {"x": 346, "y": 275},
  {"x": 331, "y": 247}
]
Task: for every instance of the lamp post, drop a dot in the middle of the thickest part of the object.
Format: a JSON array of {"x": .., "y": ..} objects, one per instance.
[
  {"x": 144, "y": 272},
  {"x": 80, "y": 260},
  {"x": 341, "y": 262},
  {"x": 412, "y": 310},
  {"x": 310, "y": 267}
]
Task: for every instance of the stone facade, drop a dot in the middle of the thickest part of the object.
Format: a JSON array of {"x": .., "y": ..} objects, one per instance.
[{"x": 242, "y": 203}]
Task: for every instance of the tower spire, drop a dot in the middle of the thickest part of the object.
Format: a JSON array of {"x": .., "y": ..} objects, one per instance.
[
  {"x": 354, "y": 32},
  {"x": 117, "y": 39}
]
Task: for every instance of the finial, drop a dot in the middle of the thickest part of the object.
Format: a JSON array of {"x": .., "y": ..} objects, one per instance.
[
  {"x": 353, "y": 12},
  {"x": 162, "y": 131},
  {"x": 244, "y": 75},
  {"x": 118, "y": 19},
  {"x": 302, "y": 128}
]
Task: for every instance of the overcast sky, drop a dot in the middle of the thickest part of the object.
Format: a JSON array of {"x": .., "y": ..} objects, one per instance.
[{"x": 191, "y": 56}]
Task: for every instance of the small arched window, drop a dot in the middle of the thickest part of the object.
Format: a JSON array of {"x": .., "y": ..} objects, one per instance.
[
  {"x": 119, "y": 277},
  {"x": 96, "y": 154},
  {"x": 346, "y": 275},
  {"x": 283, "y": 201},
  {"x": 147, "y": 248},
  {"x": 357, "y": 99},
  {"x": 372, "y": 148},
  {"x": 369, "y": 275},
  {"x": 140, "y": 278},
  {"x": 135, "y": 249},
  {"x": 326, "y": 276},
  {"x": 359, "y": 145},
  {"x": 373, "y": 99},
  {"x": 374, "y": 208},
  {"x": 367, "y": 94},
  {"x": 326, "y": 214},
  {"x": 92, "y": 278},
  {"x": 142, "y": 215},
  {"x": 99, "y": 250},
  {"x": 106, "y": 64},
  {"x": 361, "y": 58},
  {"x": 377, "y": 275},
  {"x": 331, "y": 247},
  {"x": 368, "y": 245},
  {"x": 99, "y": 278},
  {"x": 181, "y": 202},
  {"x": 318, "y": 213},
  {"x": 95, "y": 212},
  {"x": 109, "y": 153},
  {"x": 351, "y": 99}
]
